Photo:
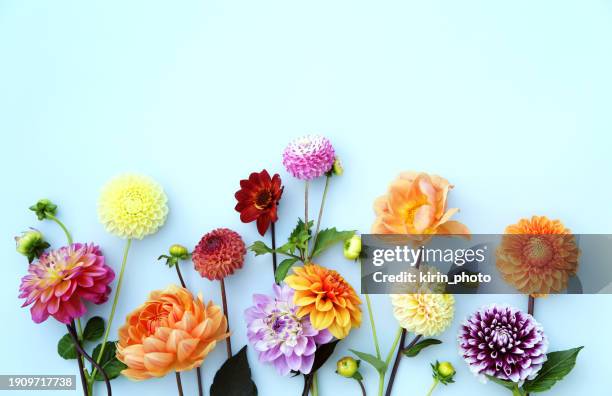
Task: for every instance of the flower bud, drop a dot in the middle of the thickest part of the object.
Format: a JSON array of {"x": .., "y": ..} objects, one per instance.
[
  {"x": 444, "y": 372},
  {"x": 31, "y": 244},
  {"x": 44, "y": 208},
  {"x": 337, "y": 168},
  {"x": 179, "y": 251},
  {"x": 352, "y": 247},
  {"x": 347, "y": 367}
]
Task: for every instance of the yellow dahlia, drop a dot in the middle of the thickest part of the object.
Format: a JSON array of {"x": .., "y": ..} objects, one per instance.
[
  {"x": 424, "y": 313},
  {"x": 132, "y": 206},
  {"x": 537, "y": 256},
  {"x": 329, "y": 300}
]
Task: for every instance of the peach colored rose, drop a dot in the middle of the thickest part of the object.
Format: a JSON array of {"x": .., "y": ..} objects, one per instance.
[
  {"x": 171, "y": 331},
  {"x": 416, "y": 204}
]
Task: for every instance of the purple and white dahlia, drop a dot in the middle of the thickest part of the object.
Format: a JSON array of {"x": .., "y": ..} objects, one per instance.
[
  {"x": 309, "y": 157},
  {"x": 279, "y": 336},
  {"x": 503, "y": 342}
]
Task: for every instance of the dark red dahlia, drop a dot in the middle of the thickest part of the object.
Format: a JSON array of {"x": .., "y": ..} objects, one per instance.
[
  {"x": 219, "y": 254},
  {"x": 258, "y": 199}
]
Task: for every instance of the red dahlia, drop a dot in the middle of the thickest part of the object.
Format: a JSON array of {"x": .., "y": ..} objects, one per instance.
[
  {"x": 258, "y": 198},
  {"x": 219, "y": 254}
]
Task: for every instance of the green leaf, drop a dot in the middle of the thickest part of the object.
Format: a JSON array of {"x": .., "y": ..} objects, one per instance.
[
  {"x": 322, "y": 354},
  {"x": 329, "y": 237},
  {"x": 260, "y": 248},
  {"x": 234, "y": 377},
  {"x": 378, "y": 364},
  {"x": 511, "y": 386},
  {"x": 109, "y": 362},
  {"x": 300, "y": 234},
  {"x": 558, "y": 365},
  {"x": 419, "y": 346},
  {"x": 66, "y": 348},
  {"x": 94, "y": 329},
  {"x": 287, "y": 248},
  {"x": 283, "y": 269}
]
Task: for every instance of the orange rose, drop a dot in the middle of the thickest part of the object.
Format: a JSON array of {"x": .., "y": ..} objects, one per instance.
[
  {"x": 416, "y": 204},
  {"x": 172, "y": 331}
]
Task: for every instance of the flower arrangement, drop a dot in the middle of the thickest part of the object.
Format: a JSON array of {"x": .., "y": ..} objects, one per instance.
[{"x": 311, "y": 308}]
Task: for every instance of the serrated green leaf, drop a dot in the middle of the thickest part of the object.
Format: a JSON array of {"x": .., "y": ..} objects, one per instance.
[
  {"x": 109, "y": 362},
  {"x": 260, "y": 248},
  {"x": 301, "y": 234},
  {"x": 419, "y": 346},
  {"x": 287, "y": 248},
  {"x": 94, "y": 329},
  {"x": 329, "y": 237},
  {"x": 558, "y": 365},
  {"x": 375, "y": 362},
  {"x": 283, "y": 269},
  {"x": 66, "y": 348}
]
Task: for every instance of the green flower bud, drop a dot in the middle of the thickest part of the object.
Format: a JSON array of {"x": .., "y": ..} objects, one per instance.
[
  {"x": 179, "y": 251},
  {"x": 44, "y": 208},
  {"x": 347, "y": 367},
  {"x": 352, "y": 247},
  {"x": 337, "y": 167},
  {"x": 444, "y": 372},
  {"x": 31, "y": 244}
]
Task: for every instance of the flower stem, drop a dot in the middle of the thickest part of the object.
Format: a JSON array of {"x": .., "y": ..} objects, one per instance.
[
  {"x": 72, "y": 332},
  {"x": 179, "y": 385},
  {"x": 307, "y": 382},
  {"x": 228, "y": 342},
  {"x": 199, "y": 374},
  {"x": 363, "y": 391},
  {"x": 373, "y": 325},
  {"x": 400, "y": 332},
  {"x": 62, "y": 226},
  {"x": 80, "y": 362},
  {"x": 433, "y": 386},
  {"x": 316, "y": 234},
  {"x": 273, "y": 232},
  {"x": 396, "y": 363},
  {"x": 180, "y": 276},
  {"x": 306, "y": 217},
  {"x": 315, "y": 385},
  {"x": 115, "y": 301}
]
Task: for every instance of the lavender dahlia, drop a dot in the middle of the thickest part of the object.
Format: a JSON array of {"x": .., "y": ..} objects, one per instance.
[
  {"x": 309, "y": 157},
  {"x": 503, "y": 342},
  {"x": 279, "y": 336}
]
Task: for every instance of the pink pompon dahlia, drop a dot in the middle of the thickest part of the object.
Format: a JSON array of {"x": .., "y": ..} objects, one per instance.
[
  {"x": 309, "y": 157},
  {"x": 503, "y": 342},
  {"x": 61, "y": 279},
  {"x": 279, "y": 335},
  {"x": 219, "y": 254}
]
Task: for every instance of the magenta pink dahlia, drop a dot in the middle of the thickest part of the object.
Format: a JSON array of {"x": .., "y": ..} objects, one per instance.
[
  {"x": 309, "y": 157},
  {"x": 61, "y": 279},
  {"x": 503, "y": 342},
  {"x": 219, "y": 254}
]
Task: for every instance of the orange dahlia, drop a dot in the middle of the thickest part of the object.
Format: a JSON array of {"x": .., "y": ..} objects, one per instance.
[
  {"x": 538, "y": 255},
  {"x": 329, "y": 300},
  {"x": 416, "y": 204},
  {"x": 172, "y": 331}
]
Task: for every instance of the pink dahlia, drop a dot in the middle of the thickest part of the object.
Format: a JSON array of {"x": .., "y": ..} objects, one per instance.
[
  {"x": 309, "y": 157},
  {"x": 61, "y": 279},
  {"x": 279, "y": 335},
  {"x": 219, "y": 254},
  {"x": 503, "y": 342}
]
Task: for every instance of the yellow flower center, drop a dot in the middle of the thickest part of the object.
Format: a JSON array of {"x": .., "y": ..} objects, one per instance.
[
  {"x": 538, "y": 251},
  {"x": 133, "y": 203},
  {"x": 412, "y": 207}
]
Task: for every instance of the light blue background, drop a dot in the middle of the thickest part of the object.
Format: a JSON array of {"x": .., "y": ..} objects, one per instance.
[{"x": 508, "y": 100}]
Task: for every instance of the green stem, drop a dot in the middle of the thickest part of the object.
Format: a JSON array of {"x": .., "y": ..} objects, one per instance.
[
  {"x": 433, "y": 386},
  {"x": 316, "y": 234},
  {"x": 373, "y": 325},
  {"x": 381, "y": 383},
  {"x": 315, "y": 385},
  {"x": 62, "y": 226},
  {"x": 395, "y": 342},
  {"x": 306, "y": 218},
  {"x": 114, "y": 307}
]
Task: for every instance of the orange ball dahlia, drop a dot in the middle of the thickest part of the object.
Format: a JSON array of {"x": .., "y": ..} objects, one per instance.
[
  {"x": 172, "y": 331},
  {"x": 329, "y": 300},
  {"x": 219, "y": 254},
  {"x": 538, "y": 255},
  {"x": 416, "y": 204}
]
